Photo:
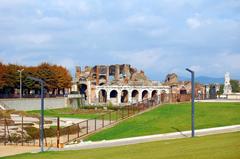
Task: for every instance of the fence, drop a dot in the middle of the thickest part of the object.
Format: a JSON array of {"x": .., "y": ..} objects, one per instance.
[
  {"x": 27, "y": 133},
  {"x": 83, "y": 128}
]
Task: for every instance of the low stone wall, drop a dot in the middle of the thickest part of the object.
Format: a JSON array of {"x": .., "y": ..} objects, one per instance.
[
  {"x": 233, "y": 96},
  {"x": 34, "y": 103}
]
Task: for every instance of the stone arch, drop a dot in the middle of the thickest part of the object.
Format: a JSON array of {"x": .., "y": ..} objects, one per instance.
[
  {"x": 114, "y": 96},
  {"x": 154, "y": 93},
  {"x": 144, "y": 94},
  {"x": 135, "y": 96},
  {"x": 102, "y": 96},
  {"x": 102, "y": 80},
  {"x": 101, "y": 84},
  {"x": 102, "y": 77},
  {"x": 124, "y": 96},
  {"x": 183, "y": 90},
  {"x": 163, "y": 95},
  {"x": 83, "y": 90}
]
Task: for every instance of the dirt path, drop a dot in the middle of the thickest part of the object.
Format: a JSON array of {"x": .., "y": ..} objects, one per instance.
[{"x": 13, "y": 150}]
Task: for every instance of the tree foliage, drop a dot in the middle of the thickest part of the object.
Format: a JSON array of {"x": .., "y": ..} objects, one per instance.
[
  {"x": 235, "y": 86},
  {"x": 57, "y": 78},
  {"x": 2, "y": 75}
]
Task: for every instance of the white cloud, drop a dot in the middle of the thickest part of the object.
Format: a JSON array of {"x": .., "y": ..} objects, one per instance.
[
  {"x": 197, "y": 21},
  {"x": 73, "y": 7},
  {"x": 98, "y": 26},
  {"x": 69, "y": 63},
  {"x": 32, "y": 31},
  {"x": 31, "y": 38},
  {"x": 229, "y": 60},
  {"x": 39, "y": 12},
  {"x": 143, "y": 59},
  {"x": 11, "y": 3},
  {"x": 145, "y": 20},
  {"x": 49, "y": 22},
  {"x": 193, "y": 23},
  {"x": 196, "y": 68}
]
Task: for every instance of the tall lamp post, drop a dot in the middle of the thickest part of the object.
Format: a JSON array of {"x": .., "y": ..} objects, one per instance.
[
  {"x": 193, "y": 94},
  {"x": 42, "y": 111},
  {"x": 20, "y": 71}
]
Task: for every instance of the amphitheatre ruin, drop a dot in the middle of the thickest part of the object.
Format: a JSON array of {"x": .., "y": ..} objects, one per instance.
[{"x": 115, "y": 84}]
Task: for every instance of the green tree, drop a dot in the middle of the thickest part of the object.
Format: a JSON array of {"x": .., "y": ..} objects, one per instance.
[{"x": 235, "y": 86}]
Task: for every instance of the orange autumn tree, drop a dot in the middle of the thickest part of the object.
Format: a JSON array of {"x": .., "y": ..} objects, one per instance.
[
  {"x": 57, "y": 78},
  {"x": 62, "y": 78},
  {"x": 2, "y": 75}
]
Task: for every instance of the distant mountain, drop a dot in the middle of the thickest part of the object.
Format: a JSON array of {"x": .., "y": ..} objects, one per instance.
[{"x": 204, "y": 79}]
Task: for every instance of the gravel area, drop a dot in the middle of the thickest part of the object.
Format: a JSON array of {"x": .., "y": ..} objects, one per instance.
[{"x": 13, "y": 150}]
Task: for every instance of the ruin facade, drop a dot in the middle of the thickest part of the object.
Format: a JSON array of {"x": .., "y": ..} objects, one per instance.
[
  {"x": 184, "y": 87},
  {"x": 116, "y": 84}
]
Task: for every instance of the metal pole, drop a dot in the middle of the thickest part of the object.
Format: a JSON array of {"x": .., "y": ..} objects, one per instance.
[
  {"x": 193, "y": 111},
  {"x": 78, "y": 130},
  {"x": 110, "y": 117},
  {"x": 20, "y": 84},
  {"x": 193, "y": 95},
  {"x": 87, "y": 126},
  {"x": 68, "y": 133},
  {"x": 42, "y": 112},
  {"x": 95, "y": 124},
  {"x": 42, "y": 117},
  {"x": 20, "y": 93},
  {"x": 5, "y": 131},
  {"x": 102, "y": 120},
  {"x": 58, "y": 132},
  {"x": 22, "y": 131}
]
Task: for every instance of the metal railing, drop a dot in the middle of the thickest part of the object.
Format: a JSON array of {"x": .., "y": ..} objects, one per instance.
[{"x": 28, "y": 134}]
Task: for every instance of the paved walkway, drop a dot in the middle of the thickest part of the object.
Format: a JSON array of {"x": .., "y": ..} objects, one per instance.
[
  {"x": 12, "y": 150},
  {"x": 219, "y": 101},
  {"x": 143, "y": 139}
]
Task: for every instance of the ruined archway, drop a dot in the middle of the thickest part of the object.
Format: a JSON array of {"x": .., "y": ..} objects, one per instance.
[
  {"x": 135, "y": 95},
  {"x": 124, "y": 96},
  {"x": 114, "y": 96},
  {"x": 154, "y": 94},
  {"x": 102, "y": 80},
  {"x": 163, "y": 96},
  {"x": 83, "y": 90},
  {"x": 144, "y": 95},
  {"x": 183, "y": 90},
  {"x": 102, "y": 96}
]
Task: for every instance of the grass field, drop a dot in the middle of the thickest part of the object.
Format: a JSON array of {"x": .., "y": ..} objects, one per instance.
[
  {"x": 224, "y": 146},
  {"x": 69, "y": 113},
  {"x": 172, "y": 118},
  {"x": 79, "y": 113}
]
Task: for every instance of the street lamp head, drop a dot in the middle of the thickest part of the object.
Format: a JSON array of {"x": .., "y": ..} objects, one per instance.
[
  {"x": 191, "y": 71},
  {"x": 20, "y": 70},
  {"x": 36, "y": 79}
]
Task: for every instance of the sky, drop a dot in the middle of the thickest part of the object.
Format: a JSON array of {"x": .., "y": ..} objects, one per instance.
[{"x": 157, "y": 36}]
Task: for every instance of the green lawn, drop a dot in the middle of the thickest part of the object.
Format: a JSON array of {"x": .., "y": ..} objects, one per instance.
[
  {"x": 79, "y": 113},
  {"x": 172, "y": 118},
  {"x": 224, "y": 146},
  {"x": 69, "y": 113}
]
